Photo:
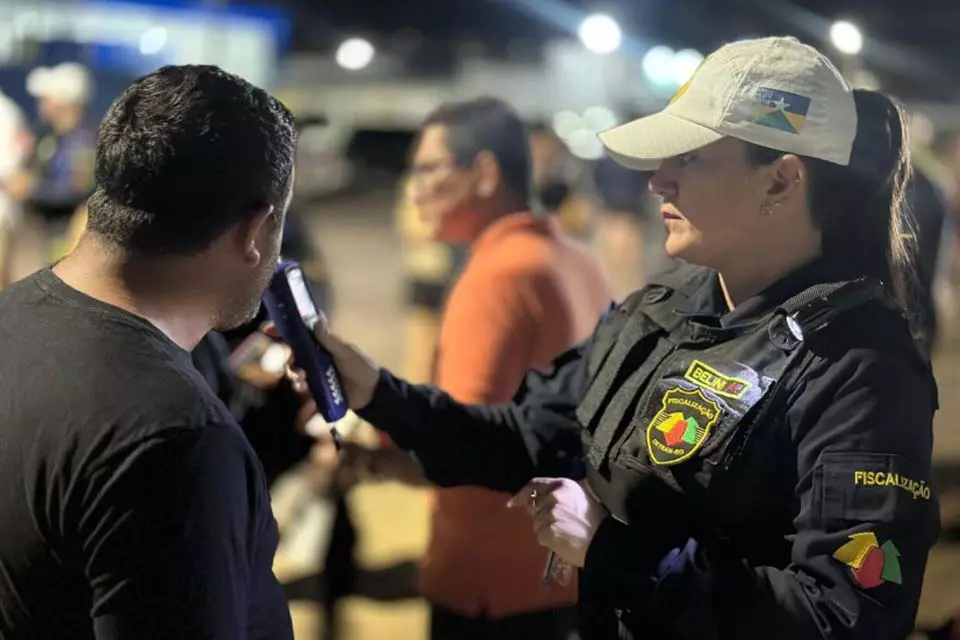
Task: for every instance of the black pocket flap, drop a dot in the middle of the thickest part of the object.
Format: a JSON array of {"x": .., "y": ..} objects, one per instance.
[{"x": 870, "y": 487}]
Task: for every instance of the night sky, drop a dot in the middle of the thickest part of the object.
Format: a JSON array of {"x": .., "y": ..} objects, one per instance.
[{"x": 913, "y": 46}]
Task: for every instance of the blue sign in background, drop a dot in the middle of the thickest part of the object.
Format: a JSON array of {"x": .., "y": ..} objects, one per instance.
[
  {"x": 114, "y": 66},
  {"x": 274, "y": 18}
]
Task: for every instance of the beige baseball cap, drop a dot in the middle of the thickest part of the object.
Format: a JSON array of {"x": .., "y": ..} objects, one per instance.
[
  {"x": 68, "y": 82},
  {"x": 774, "y": 92}
]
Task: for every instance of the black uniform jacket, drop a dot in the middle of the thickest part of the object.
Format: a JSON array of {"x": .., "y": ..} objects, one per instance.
[{"x": 766, "y": 469}]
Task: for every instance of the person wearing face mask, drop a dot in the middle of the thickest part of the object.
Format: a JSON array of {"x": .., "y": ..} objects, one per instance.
[
  {"x": 526, "y": 293},
  {"x": 755, "y": 426}
]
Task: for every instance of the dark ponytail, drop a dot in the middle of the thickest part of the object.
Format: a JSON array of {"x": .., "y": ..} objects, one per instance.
[{"x": 861, "y": 209}]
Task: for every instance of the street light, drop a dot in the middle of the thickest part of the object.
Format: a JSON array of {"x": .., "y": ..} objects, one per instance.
[
  {"x": 846, "y": 37},
  {"x": 153, "y": 40},
  {"x": 684, "y": 64},
  {"x": 600, "y": 34},
  {"x": 658, "y": 65},
  {"x": 355, "y": 54}
]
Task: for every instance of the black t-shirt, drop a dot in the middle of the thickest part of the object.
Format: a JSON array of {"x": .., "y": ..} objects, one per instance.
[{"x": 131, "y": 506}]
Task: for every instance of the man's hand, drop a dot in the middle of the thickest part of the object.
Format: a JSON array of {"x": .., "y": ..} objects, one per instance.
[
  {"x": 565, "y": 516},
  {"x": 357, "y": 461},
  {"x": 358, "y": 373},
  {"x": 346, "y": 467}
]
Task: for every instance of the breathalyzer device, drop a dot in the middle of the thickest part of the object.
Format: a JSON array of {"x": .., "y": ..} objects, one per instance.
[{"x": 292, "y": 309}]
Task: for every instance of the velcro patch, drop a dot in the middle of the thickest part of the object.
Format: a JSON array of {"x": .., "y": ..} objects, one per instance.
[{"x": 703, "y": 375}]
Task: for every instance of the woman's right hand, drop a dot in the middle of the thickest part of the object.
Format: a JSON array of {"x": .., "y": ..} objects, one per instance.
[{"x": 358, "y": 373}]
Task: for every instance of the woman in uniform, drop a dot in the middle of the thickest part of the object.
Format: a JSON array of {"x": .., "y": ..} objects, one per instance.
[{"x": 743, "y": 448}]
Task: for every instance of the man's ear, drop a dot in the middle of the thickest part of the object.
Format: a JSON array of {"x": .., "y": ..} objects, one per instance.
[
  {"x": 250, "y": 231},
  {"x": 488, "y": 174}
]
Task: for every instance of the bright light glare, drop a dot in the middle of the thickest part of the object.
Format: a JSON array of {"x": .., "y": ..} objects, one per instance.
[
  {"x": 685, "y": 64},
  {"x": 153, "y": 40},
  {"x": 600, "y": 34},
  {"x": 599, "y": 119},
  {"x": 585, "y": 145},
  {"x": 846, "y": 37},
  {"x": 355, "y": 54},
  {"x": 658, "y": 65},
  {"x": 566, "y": 123}
]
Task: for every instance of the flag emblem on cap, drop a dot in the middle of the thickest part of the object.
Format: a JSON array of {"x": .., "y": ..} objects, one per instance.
[
  {"x": 780, "y": 110},
  {"x": 870, "y": 564}
]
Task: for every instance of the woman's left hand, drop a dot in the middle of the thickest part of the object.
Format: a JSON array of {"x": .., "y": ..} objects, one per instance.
[{"x": 565, "y": 515}]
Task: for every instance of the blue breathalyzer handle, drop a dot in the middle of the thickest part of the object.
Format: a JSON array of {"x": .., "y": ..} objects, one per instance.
[{"x": 291, "y": 322}]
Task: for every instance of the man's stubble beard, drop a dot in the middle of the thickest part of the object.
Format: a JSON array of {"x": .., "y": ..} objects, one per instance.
[{"x": 244, "y": 307}]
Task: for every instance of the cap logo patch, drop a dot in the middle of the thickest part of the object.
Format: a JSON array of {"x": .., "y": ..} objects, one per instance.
[{"x": 780, "y": 110}]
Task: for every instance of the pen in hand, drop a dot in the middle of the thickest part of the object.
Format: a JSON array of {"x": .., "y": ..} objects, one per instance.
[{"x": 548, "y": 568}]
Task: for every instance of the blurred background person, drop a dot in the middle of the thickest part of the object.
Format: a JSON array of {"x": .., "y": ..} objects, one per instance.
[
  {"x": 59, "y": 177},
  {"x": 526, "y": 293},
  {"x": 632, "y": 233},
  {"x": 16, "y": 142},
  {"x": 429, "y": 269},
  {"x": 561, "y": 183}
]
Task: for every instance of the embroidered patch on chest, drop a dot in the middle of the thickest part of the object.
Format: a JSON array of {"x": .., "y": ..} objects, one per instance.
[{"x": 681, "y": 426}]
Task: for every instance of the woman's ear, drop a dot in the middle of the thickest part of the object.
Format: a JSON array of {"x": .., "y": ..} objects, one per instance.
[{"x": 787, "y": 179}]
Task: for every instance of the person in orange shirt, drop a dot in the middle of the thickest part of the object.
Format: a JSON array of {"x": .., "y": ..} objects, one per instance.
[{"x": 527, "y": 293}]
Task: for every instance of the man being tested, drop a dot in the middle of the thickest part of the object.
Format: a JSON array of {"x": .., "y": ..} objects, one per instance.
[{"x": 132, "y": 506}]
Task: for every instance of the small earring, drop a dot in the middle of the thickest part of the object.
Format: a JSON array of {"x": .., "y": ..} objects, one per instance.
[{"x": 768, "y": 208}]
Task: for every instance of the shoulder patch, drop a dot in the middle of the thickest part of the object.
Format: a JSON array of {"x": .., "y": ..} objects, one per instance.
[{"x": 871, "y": 564}]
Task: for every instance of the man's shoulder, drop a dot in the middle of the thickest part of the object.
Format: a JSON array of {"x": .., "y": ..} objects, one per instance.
[
  {"x": 22, "y": 289},
  {"x": 81, "y": 372},
  {"x": 529, "y": 256}
]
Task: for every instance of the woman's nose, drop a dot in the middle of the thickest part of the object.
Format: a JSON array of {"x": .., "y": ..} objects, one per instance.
[{"x": 661, "y": 184}]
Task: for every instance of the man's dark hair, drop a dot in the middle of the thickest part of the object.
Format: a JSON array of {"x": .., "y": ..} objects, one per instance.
[
  {"x": 185, "y": 153},
  {"x": 488, "y": 124}
]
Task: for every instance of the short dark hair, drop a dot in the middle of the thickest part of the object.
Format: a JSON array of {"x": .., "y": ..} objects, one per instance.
[
  {"x": 488, "y": 124},
  {"x": 185, "y": 153},
  {"x": 860, "y": 209}
]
